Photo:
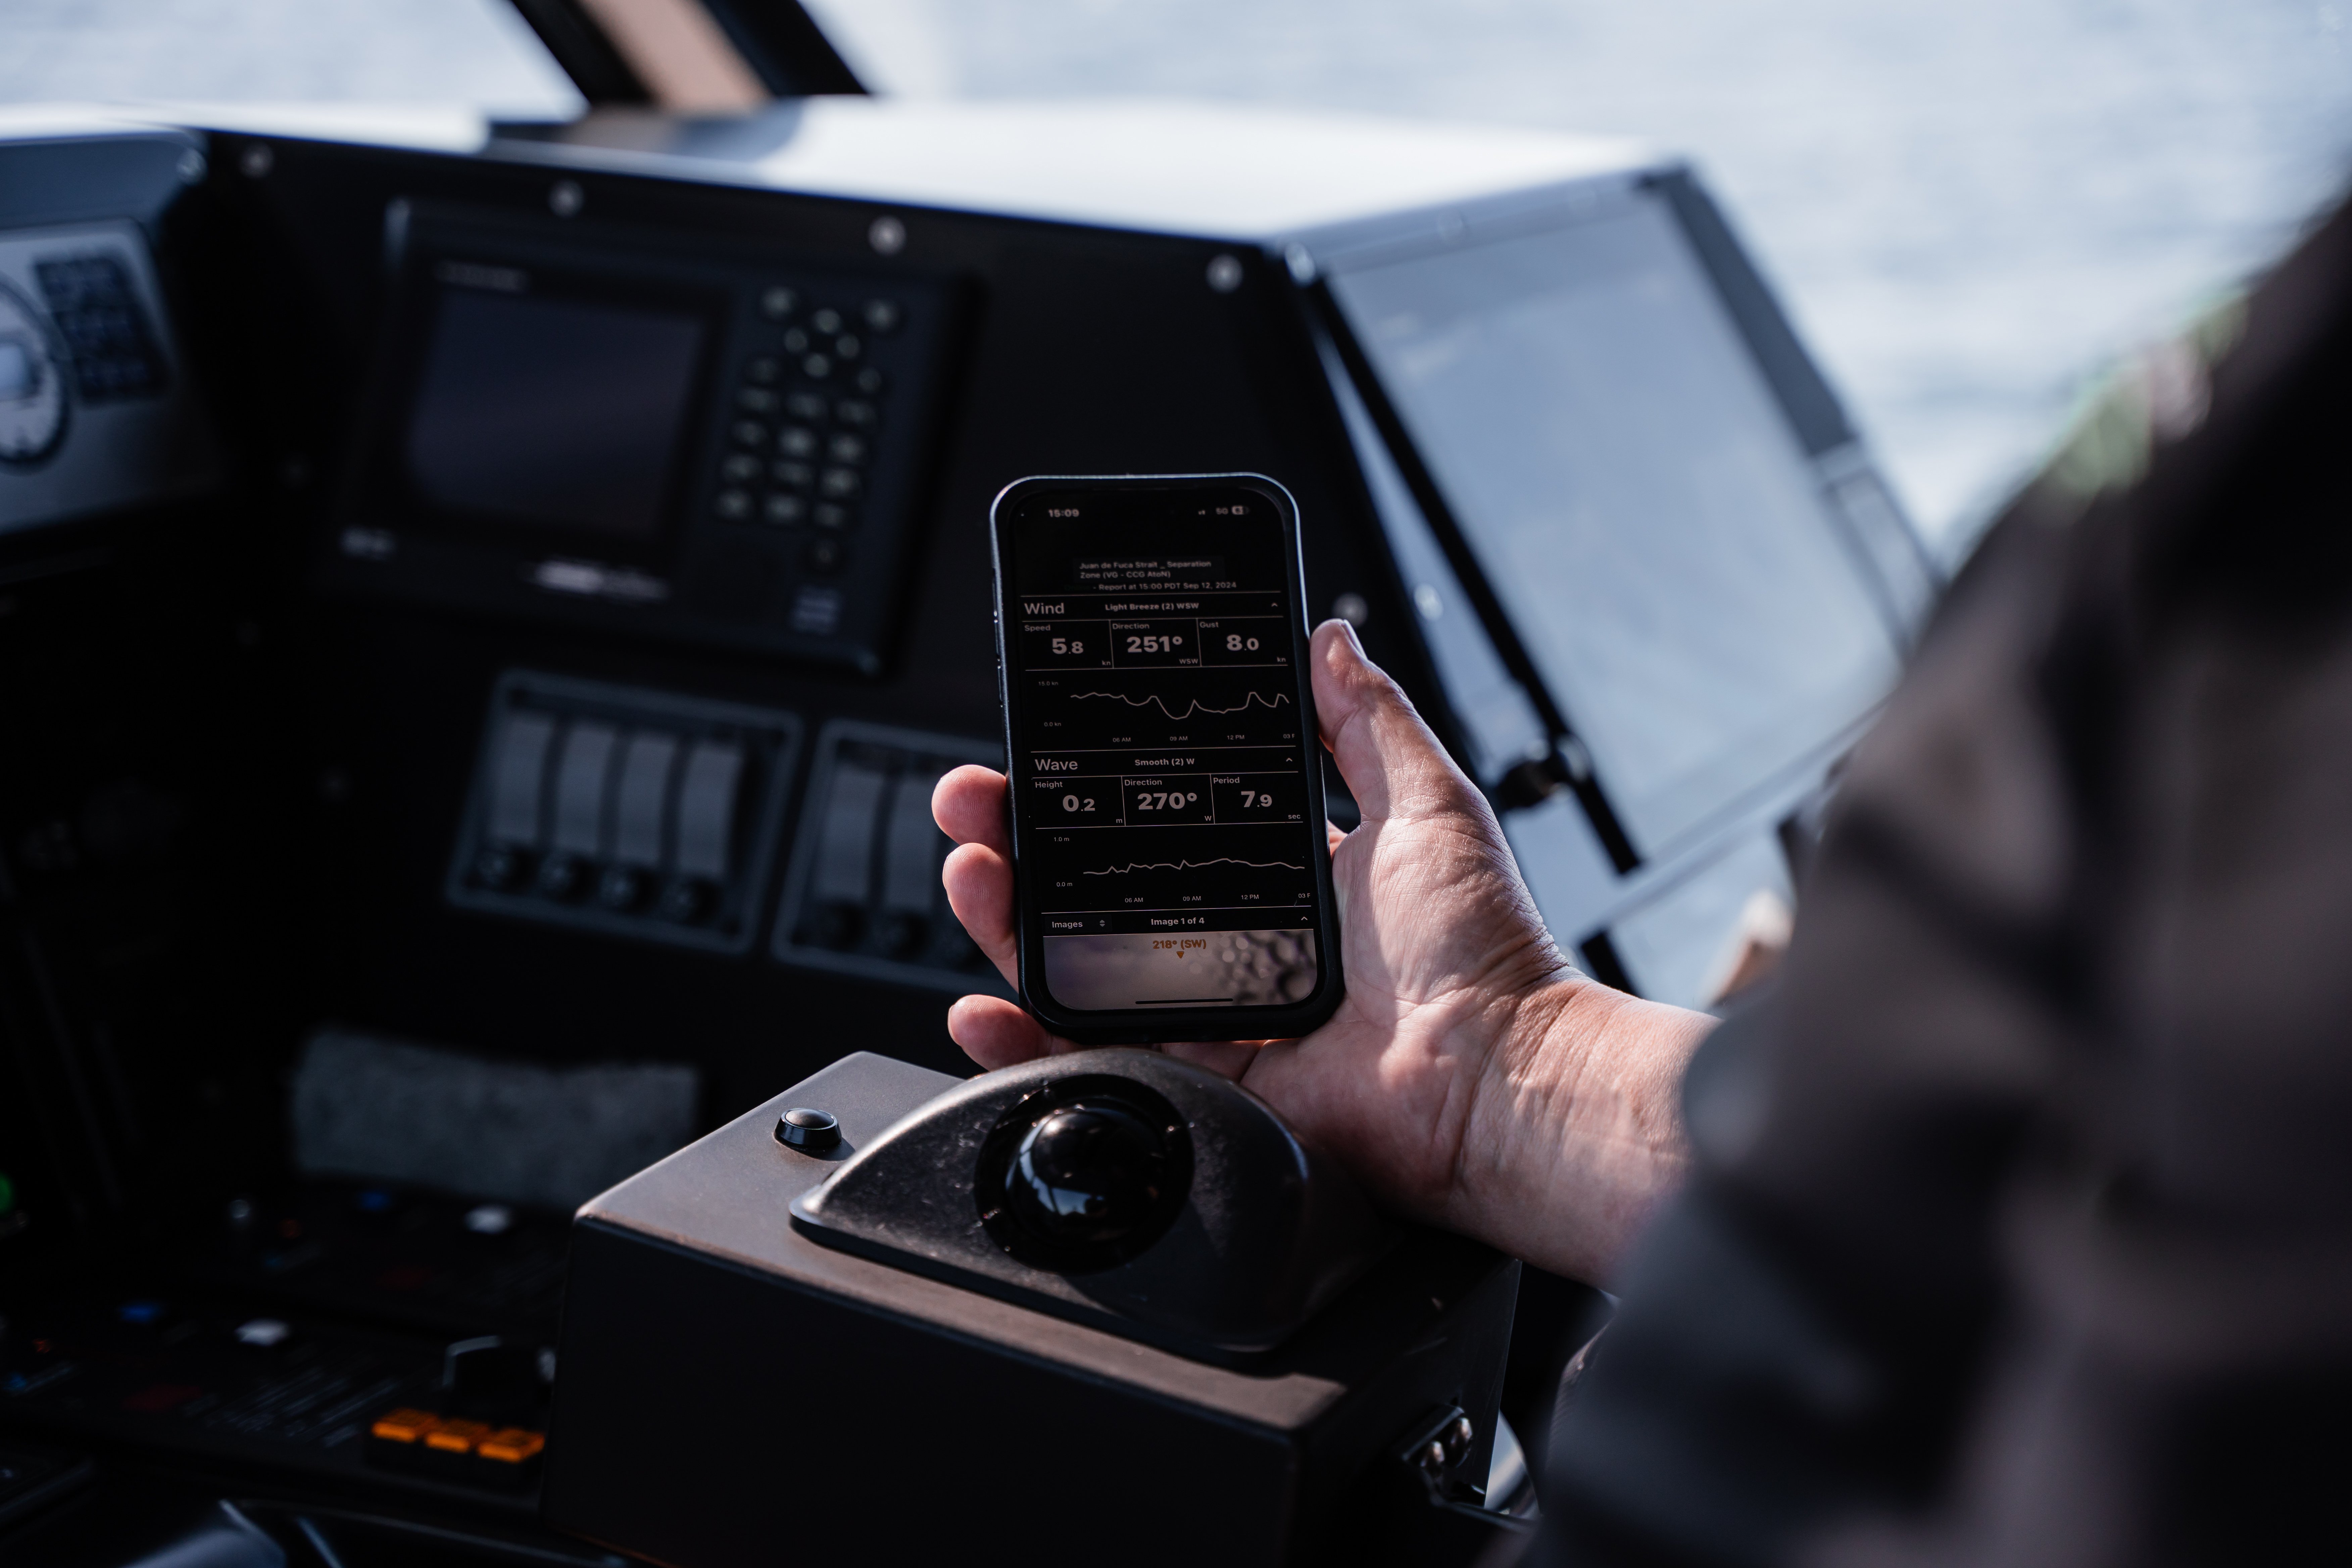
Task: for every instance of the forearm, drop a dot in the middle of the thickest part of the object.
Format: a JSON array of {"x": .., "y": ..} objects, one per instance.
[{"x": 1575, "y": 1134}]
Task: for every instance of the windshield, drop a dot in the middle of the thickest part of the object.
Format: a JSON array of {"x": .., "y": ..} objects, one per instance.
[
  {"x": 474, "y": 52},
  {"x": 1627, "y": 480}
]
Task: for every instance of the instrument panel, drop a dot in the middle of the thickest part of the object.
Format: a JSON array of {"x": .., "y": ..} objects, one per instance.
[{"x": 692, "y": 440}]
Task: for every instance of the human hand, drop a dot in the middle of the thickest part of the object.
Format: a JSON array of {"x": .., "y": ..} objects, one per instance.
[{"x": 1470, "y": 1077}]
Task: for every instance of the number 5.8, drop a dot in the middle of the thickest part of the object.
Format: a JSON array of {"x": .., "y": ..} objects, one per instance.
[{"x": 1069, "y": 645}]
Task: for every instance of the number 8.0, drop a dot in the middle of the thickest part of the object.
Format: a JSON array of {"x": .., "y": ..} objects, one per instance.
[{"x": 1236, "y": 643}]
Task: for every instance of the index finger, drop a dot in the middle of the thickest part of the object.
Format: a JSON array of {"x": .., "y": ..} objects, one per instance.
[{"x": 969, "y": 805}]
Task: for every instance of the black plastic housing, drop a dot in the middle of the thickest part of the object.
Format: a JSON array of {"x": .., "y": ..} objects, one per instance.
[{"x": 729, "y": 1384}]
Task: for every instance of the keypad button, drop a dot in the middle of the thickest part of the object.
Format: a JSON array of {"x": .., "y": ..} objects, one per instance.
[
  {"x": 857, "y": 413},
  {"x": 796, "y": 342},
  {"x": 869, "y": 380},
  {"x": 826, "y": 320},
  {"x": 750, "y": 433},
  {"x": 740, "y": 467},
  {"x": 845, "y": 347},
  {"x": 881, "y": 315},
  {"x": 777, "y": 301},
  {"x": 839, "y": 484},
  {"x": 733, "y": 505},
  {"x": 806, "y": 405},
  {"x": 793, "y": 476},
  {"x": 784, "y": 509},
  {"x": 756, "y": 400},
  {"x": 816, "y": 367},
  {"x": 763, "y": 371},
  {"x": 796, "y": 441},
  {"x": 845, "y": 448},
  {"x": 825, "y": 556},
  {"x": 829, "y": 515}
]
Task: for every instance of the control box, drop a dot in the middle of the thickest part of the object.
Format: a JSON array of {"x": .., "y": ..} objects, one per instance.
[
  {"x": 641, "y": 814},
  {"x": 864, "y": 895},
  {"x": 96, "y": 411},
  {"x": 1035, "y": 1410},
  {"x": 705, "y": 441}
]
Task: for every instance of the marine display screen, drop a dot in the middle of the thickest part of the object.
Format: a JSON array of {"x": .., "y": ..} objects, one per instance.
[
  {"x": 1162, "y": 749},
  {"x": 550, "y": 412},
  {"x": 1637, "y": 500}
]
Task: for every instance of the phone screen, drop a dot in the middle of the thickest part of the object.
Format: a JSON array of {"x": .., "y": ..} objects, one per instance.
[{"x": 1163, "y": 746}]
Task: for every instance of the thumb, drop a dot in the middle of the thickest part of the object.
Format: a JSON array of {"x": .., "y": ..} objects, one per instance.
[{"x": 1392, "y": 763}]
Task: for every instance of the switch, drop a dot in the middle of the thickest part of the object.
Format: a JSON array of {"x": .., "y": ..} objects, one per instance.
[
  {"x": 705, "y": 809},
  {"x": 910, "y": 855},
  {"x": 642, "y": 800},
  {"x": 517, "y": 767},
  {"x": 580, "y": 776},
  {"x": 845, "y": 861}
]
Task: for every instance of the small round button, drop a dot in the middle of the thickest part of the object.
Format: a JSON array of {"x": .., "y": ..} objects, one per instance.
[
  {"x": 499, "y": 866},
  {"x": 816, "y": 367},
  {"x": 561, "y": 875},
  {"x": 827, "y": 321},
  {"x": 685, "y": 901},
  {"x": 850, "y": 411},
  {"x": 777, "y": 302},
  {"x": 809, "y": 1130},
  {"x": 763, "y": 371},
  {"x": 869, "y": 380},
  {"x": 881, "y": 315},
  {"x": 620, "y": 888}
]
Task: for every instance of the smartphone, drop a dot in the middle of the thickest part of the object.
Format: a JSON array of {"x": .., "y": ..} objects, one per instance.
[{"x": 1172, "y": 879}]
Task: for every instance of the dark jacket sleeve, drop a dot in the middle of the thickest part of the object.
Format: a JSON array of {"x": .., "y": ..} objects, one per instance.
[{"x": 2021, "y": 1225}]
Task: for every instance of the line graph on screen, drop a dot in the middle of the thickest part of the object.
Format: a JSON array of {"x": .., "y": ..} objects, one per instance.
[{"x": 1192, "y": 706}]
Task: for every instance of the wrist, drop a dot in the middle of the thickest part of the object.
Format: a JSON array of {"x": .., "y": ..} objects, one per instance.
[{"x": 1574, "y": 1134}]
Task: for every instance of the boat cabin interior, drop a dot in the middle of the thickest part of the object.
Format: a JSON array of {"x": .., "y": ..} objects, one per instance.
[{"x": 483, "y": 607}]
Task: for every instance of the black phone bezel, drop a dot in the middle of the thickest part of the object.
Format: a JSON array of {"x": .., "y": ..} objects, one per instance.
[{"x": 1159, "y": 1026}]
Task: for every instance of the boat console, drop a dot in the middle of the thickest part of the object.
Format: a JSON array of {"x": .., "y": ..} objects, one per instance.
[{"x": 483, "y": 609}]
